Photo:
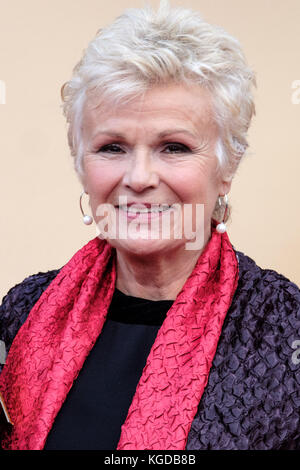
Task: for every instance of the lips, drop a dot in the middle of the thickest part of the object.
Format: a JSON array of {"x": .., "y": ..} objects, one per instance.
[
  {"x": 145, "y": 207},
  {"x": 142, "y": 205},
  {"x": 143, "y": 211}
]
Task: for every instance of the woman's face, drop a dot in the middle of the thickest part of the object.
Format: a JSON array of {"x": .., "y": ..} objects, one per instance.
[{"x": 157, "y": 150}]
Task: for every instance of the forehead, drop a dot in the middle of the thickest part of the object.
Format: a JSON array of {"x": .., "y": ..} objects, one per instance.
[{"x": 173, "y": 103}]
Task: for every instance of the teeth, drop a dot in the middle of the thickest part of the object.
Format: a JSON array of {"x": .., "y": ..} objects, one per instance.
[{"x": 146, "y": 210}]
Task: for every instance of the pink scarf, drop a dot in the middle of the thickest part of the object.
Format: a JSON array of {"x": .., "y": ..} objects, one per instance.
[{"x": 50, "y": 348}]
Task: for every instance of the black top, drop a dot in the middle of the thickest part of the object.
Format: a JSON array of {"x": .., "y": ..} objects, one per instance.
[{"x": 98, "y": 402}]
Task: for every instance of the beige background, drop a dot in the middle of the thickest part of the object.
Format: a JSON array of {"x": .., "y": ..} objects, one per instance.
[{"x": 40, "y": 42}]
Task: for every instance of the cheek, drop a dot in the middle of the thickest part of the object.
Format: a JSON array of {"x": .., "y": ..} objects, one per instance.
[
  {"x": 195, "y": 184},
  {"x": 100, "y": 179}
]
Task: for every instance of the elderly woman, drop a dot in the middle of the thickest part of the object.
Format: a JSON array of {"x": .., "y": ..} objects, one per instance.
[{"x": 157, "y": 334}]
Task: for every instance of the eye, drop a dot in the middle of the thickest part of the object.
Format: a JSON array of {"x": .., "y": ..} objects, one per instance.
[
  {"x": 172, "y": 147},
  {"x": 113, "y": 148},
  {"x": 175, "y": 147}
]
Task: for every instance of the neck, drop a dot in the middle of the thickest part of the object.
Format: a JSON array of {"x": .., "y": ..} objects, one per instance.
[
  {"x": 153, "y": 278},
  {"x": 159, "y": 276}
]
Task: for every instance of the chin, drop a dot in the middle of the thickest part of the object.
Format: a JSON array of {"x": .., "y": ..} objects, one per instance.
[{"x": 144, "y": 248}]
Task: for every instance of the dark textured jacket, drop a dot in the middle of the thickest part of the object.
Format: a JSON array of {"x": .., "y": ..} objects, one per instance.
[{"x": 252, "y": 398}]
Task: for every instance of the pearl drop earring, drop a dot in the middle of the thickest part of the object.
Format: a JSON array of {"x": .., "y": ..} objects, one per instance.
[
  {"x": 87, "y": 219},
  {"x": 221, "y": 227}
]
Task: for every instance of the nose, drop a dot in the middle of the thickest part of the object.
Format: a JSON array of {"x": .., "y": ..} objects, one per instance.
[{"x": 141, "y": 173}]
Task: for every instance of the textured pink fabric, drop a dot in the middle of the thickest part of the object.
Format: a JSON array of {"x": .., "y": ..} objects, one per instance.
[{"x": 61, "y": 329}]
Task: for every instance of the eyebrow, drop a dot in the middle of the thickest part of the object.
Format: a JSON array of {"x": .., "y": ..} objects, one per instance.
[{"x": 160, "y": 135}]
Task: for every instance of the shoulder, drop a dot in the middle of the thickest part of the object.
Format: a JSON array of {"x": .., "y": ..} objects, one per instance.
[
  {"x": 252, "y": 398},
  {"x": 266, "y": 306},
  {"x": 267, "y": 288},
  {"x": 263, "y": 346},
  {"x": 16, "y": 305}
]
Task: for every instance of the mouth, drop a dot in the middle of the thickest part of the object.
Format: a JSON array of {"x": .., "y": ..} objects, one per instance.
[{"x": 143, "y": 211}]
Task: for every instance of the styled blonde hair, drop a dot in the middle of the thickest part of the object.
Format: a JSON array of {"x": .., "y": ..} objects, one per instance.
[{"x": 143, "y": 48}]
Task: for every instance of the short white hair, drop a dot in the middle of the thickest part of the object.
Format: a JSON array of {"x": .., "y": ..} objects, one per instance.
[{"x": 143, "y": 48}]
